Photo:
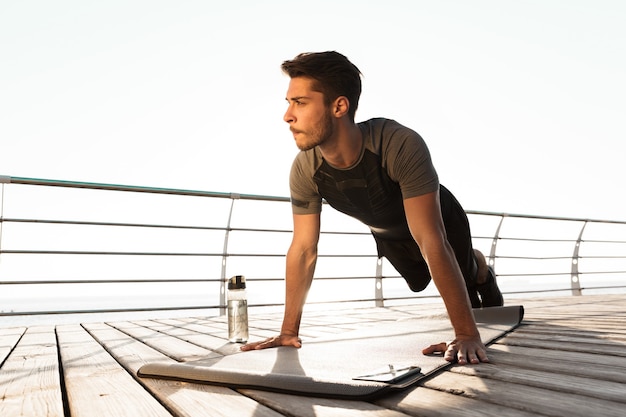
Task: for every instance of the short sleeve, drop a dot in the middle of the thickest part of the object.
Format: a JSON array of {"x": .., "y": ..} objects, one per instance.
[
  {"x": 305, "y": 198},
  {"x": 409, "y": 162}
]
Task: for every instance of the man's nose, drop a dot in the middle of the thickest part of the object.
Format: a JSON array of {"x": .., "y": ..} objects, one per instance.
[{"x": 288, "y": 117}]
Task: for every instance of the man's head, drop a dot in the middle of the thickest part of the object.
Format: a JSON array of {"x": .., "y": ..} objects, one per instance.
[{"x": 333, "y": 76}]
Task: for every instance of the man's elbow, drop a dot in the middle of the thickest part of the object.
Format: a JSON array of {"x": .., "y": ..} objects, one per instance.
[
  {"x": 308, "y": 253},
  {"x": 434, "y": 247}
]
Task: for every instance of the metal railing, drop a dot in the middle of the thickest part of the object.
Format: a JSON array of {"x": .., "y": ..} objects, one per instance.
[{"x": 68, "y": 247}]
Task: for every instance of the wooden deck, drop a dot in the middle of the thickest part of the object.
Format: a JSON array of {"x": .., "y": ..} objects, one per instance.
[{"x": 568, "y": 358}]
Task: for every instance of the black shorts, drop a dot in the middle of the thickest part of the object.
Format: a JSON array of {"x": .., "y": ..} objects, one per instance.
[{"x": 407, "y": 259}]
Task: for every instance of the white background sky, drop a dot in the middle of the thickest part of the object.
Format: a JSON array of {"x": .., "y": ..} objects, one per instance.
[{"x": 522, "y": 103}]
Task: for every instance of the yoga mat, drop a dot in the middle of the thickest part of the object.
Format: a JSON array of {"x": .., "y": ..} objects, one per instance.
[{"x": 359, "y": 364}]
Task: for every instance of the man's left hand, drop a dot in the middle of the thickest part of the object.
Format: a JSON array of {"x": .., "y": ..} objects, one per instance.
[{"x": 464, "y": 351}]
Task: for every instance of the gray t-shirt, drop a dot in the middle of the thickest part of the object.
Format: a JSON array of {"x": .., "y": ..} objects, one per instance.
[{"x": 394, "y": 165}]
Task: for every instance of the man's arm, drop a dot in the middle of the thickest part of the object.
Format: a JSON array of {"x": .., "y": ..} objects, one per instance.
[
  {"x": 300, "y": 266},
  {"x": 425, "y": 222}
]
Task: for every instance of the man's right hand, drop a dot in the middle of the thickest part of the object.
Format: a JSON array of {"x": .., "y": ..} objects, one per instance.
[{"x": 276, "y": 341}]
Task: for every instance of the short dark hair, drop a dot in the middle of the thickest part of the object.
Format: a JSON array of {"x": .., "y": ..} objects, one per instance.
[{"x": 333, "y": 74}]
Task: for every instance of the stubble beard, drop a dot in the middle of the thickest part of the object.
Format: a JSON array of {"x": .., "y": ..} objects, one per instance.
[{"x": 319, "y": 135}]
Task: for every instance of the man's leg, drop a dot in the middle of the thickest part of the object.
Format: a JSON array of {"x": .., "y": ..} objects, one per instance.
[
  {"x": 479, "y": 277},
  {"x": 406, "y": 258},
  {"x": 481, "y": 263},
  {"x": 486, "y": 283}
]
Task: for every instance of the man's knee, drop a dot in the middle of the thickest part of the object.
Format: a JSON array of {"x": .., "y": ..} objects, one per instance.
[{"x": 418, "y": 285}]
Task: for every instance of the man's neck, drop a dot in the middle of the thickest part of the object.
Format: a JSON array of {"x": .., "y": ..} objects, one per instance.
[{"x": 345, "y": 147}]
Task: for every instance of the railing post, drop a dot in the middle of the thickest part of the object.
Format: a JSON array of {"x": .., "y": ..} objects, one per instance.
[
  {"x": 378, "y": 289},
  {"x": 494, "y": 243},
  {"x": 225, "y": 256},
  {"x": 3, "y": 180},
  {"x": 575, "y": 277}
]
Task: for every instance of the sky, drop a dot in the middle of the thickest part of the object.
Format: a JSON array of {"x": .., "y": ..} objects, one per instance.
[{"x": 521, "y": 103}]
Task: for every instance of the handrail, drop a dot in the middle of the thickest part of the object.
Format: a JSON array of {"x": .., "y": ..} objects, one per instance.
[
  {"x": 572, "y": 251},
  {"x": 4, "y": 179}
]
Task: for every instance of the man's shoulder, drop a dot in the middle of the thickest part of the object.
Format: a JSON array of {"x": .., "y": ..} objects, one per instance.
[
  {"x": 379, "y": 123},
  {"x": 383, "y": 127},
  {"x": 382, "y": 133}
]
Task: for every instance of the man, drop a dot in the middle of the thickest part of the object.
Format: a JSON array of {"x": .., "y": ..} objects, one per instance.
[{"x": 381, "y": 173}]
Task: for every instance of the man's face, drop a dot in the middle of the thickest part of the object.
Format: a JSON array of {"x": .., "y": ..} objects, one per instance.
[{"x": 309, "y": 118}]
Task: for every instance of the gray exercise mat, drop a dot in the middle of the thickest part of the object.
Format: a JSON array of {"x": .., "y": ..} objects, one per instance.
[{"x": 359, "y": 364}]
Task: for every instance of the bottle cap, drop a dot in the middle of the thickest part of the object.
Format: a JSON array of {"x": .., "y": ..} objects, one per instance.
[{"x": 238, "y": 282}]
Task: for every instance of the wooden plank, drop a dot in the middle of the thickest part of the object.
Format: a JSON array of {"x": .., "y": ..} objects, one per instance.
[
  {"x": 582, "y": 321},
  {"x": 562, "y": 334},
  {"x": 8, "y": 340},
  {"x": 582, "y": 332},
  {"x": 187, "y": 331},
  {"x": 219, "y": 330},
  {"x": 604, "y": 367},
  {"x": 568, "y": 305},
  {"x": 258, "y": 334},
  {"x": 184, "y": 399},
  {"x": 30, "y": 382},
  {"x": 522, "y": 397},
  {"x": 601, "y": 325},
  {"x": 96, "y": 384},
  {"x": 421, "y": 401},
  {"x": 577, "y": 385},
  {"x": 560, "y": 311},
  {"x": 272, "y": 323},
  {"x": 218, "y": 324},
  {"x": 177, "y": 349},
  {"x": 213, "y": 328},
  {"x": 221, "y": 346},
  {"x": 293, "y": 405},
  {"x": 518, "y": 339}
]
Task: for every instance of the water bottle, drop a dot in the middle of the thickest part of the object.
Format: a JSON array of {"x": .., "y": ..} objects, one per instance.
[{"x": 237, "y": 310}]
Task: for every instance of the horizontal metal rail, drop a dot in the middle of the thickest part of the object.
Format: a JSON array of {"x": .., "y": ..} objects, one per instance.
[{"x": 4, "y": 179}]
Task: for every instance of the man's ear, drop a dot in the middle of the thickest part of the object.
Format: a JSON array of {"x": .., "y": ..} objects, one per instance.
[{"x": 340, "y": 107}]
